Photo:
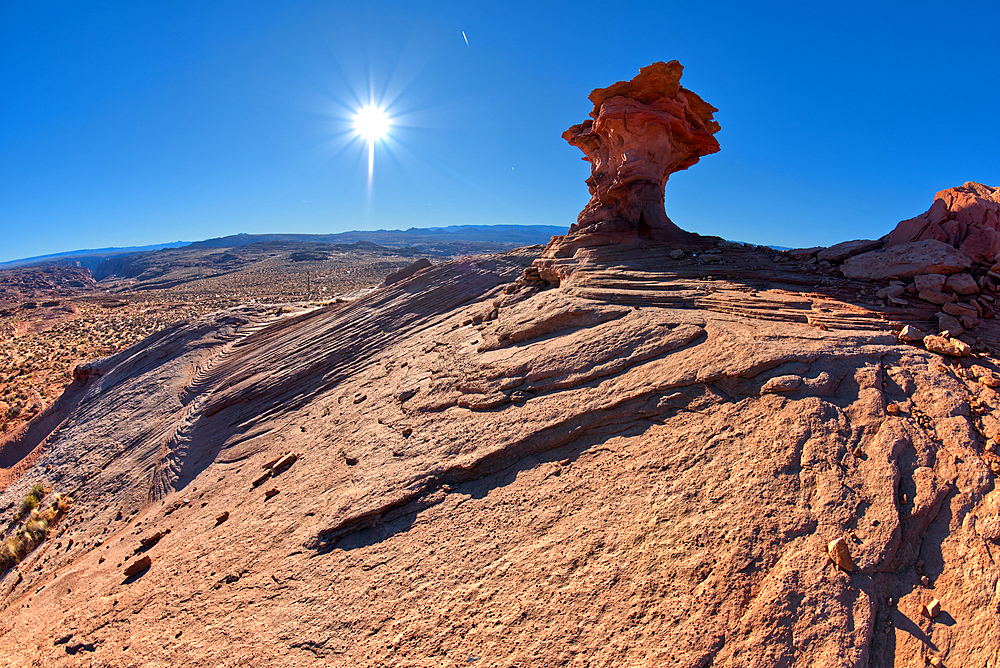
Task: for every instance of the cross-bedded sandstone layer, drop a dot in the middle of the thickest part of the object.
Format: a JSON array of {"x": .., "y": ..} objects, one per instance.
[{"x": 644, "y": 465}]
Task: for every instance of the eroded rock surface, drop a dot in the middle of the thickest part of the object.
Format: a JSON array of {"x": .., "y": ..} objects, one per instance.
[
  {"x": 928, "y": 256},
  {"x": 640, "y": 132},
  {"x": 645, "y": 465},
  {"x": 966, "y": 218}
]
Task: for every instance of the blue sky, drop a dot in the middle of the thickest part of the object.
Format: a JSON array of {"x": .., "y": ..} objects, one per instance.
[{"x": 136, "y": 123}]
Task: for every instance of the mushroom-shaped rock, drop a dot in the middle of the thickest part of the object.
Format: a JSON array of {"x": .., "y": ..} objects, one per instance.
[{"x": 641, "y": 132}]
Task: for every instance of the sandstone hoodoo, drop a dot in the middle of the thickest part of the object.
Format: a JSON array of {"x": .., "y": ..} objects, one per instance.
[{"x": 640, "y": 132}]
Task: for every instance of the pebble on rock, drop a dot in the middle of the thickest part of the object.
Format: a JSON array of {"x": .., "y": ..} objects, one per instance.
[
  {"x": 138, "y": 566},
  {"x": 911, "y": 334},
  {"x": 840, "y": 554},
  {"x": 285, "y": 462},
  {"x": 931, "y": 609}
]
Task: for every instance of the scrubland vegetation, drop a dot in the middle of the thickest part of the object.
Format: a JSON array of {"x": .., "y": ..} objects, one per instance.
[{"x": 31, "y": 523}]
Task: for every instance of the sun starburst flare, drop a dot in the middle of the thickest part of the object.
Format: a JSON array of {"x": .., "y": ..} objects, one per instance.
[{"x": 372, "y": 124}]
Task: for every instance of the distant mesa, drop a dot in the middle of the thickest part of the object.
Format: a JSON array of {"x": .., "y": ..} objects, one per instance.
[{"x": 641, "y": 132}]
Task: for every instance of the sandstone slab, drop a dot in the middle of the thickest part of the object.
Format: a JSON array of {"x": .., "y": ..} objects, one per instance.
[
  {"x": 930, "y": 282},
  {"x": 935, "y": 297},
  {"x": 846, "y": 249},
  {"x": 905, "y": 260},
  {"x": 963, "y": 284}
]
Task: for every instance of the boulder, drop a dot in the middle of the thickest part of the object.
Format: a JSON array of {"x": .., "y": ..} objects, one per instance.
[
  {"x": 935, "y": 297},
  {"x": 407, "y": 271},
  {"x": 909, "y": 334},
  {"x": 845, "y": 249},
  {"x": 947, "y": 346},
  {"x": 138, "y": 566},
  {"x": 890, "y": 291},
  {"x": 959, "y": 309},
  {"x": 950, "y": 324},
  {"x": 933, "y": 282},
  {"x": 985, "y": 376},
  {"x": 963, "y": 284},
  {"x": 804, "y": 254},
  {"x": 905, "y": 260}
]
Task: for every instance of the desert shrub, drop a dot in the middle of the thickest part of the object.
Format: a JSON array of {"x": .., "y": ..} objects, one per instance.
[
  {"x": 33, "y": 498},
  {"x": 30, "y": 503},
  {"x": 37, "y": 528},
  {"x": 62, "y": 502}
]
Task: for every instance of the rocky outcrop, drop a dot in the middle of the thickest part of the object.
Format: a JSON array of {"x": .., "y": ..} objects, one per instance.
[
  {"x": 407, "y": 271},
  {"x": 906, "y": 260},
  {"x": 846, "y": 249},
  {"x": 966, "y": 218},
  {"x": 650, "y": 463},
  {"x": 640, "y": 132}
]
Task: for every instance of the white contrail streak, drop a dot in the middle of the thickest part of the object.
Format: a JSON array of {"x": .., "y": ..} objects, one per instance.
[{"x": 466, "y": 38}]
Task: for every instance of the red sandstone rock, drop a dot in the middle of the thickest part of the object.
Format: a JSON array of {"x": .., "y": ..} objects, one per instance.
[
  {"x": 845, "y": 249},
  {"x": 644, "y": 476},
  {"x": 642, "y": 131},
  {"x": 906, "y": 260},
  {"x": 138, "y": 566},
  {"x": 963, "y": 284},
  {"x": 406, "y": 272},
  {"x": 966, "y": 217},
  {"x": 840, "y": 554},
  {"x": 947, "y": 346}
]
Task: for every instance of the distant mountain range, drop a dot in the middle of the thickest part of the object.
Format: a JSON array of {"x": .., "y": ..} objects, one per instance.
[
  {"x": 451, "y": 240},
  {"x": 90, "y": 257}
]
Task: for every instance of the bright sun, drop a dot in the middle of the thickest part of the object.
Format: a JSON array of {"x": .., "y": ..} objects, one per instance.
[{"x": 371, "y": 123}]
